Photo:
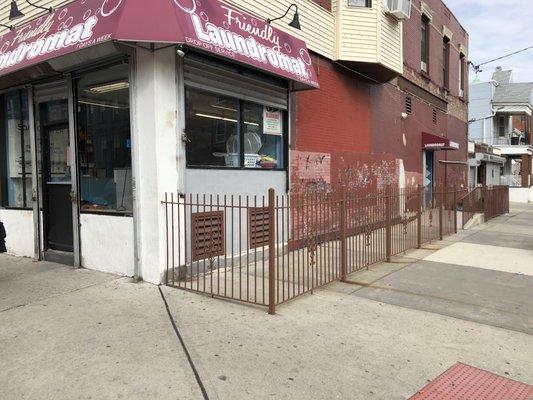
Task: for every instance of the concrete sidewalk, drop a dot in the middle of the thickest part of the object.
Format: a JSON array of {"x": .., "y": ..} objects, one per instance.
[{"x": 78, "y": 334}]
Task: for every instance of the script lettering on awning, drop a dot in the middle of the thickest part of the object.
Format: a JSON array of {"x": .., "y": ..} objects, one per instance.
[{"x": 208, "y": 25}]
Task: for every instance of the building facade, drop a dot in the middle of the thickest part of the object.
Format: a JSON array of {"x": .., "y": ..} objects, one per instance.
[
  {"x": 103, "y": 114},
  {"x": 430, "y": 97},
  {"x": 500, "y": 116}
]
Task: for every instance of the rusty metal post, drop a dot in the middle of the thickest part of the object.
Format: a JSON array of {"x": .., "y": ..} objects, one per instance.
[
  {"x": 271, "y": 252},
  {"x": 455, "y": 208},
  {"x": 388, "y": 230},
  {"x": 344, "y": 248},
  {"x": 420, "y": 191},
  {"x": 441, "y": 212}
]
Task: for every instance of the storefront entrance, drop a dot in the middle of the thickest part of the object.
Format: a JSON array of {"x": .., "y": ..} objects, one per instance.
[
  {"x": 56, "y": 171},
  {"x": 57, "y": 181}
]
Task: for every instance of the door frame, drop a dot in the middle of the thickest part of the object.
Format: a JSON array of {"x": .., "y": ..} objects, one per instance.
[
  {"x": 37, "y": 190},
  {"x": 74, "y": 171}
]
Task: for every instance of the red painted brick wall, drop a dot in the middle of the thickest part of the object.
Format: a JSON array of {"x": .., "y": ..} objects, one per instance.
[
  {"x": 324, "y": 3},
  {"x": 334, "y": 121},
  {"x": 402, "y": 138},
  {"x": 335, "y": 117}
]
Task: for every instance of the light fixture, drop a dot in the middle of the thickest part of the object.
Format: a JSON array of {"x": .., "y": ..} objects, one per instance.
[
  {"x": 14, "y": 13},
  {"x": 295, "y": 23},
  {"x": 10, "y": 27},
  {"x": 108, "y": 87}
]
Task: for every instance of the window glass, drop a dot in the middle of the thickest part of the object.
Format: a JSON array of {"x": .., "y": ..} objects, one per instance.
[
  {"x": 360, "y": 3},
  {"x": 446, "y": 63},
  {"x": 211, "y": 126},
  {"x": 104, "y": 142},
  {"x": 231, "y": 133},
  {"x": 15, "y": 151},
  {"x": 424, "y": 44},
  {"x": 263, "y": 136}
]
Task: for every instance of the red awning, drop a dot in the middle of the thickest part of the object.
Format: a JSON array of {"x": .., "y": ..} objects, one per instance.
[
  {"x": 207, "y": 25},
  {"x": 434, "y": 142}
]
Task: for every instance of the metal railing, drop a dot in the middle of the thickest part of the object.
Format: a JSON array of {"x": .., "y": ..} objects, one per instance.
[{"x": 267, "y": 250}]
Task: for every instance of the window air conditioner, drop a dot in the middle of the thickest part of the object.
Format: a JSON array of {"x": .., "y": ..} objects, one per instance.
[
  {"x": 401, "y": 9},
  {"x": 423, "y": 66}
]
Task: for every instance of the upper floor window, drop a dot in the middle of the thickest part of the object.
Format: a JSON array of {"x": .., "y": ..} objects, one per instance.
[
  {"x": 501, "y": 126},
  {"x": 446, "y": 63},
  {"x": 424, "y": 45},
  {"x": 462, "y": 75},
  {"x": 360, "y": 3}
]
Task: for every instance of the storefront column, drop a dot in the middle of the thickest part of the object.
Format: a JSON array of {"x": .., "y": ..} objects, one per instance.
[{"x": 155, "y": 144}]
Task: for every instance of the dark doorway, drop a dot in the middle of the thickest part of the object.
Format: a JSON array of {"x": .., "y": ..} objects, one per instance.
[{"x": 57, "y": 178}]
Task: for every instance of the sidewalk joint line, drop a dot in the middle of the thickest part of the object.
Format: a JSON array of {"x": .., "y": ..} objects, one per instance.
[{"x": 184, "y": 347}]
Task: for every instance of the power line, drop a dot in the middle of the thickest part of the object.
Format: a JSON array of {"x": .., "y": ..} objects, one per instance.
[{"x": 478, "y": 69}]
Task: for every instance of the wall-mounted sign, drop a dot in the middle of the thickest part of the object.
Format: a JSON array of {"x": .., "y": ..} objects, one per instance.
[{"x": 272, "y": 121}]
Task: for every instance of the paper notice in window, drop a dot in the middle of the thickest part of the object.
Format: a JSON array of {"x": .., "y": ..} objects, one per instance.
[{"x": 272, "y": 121}]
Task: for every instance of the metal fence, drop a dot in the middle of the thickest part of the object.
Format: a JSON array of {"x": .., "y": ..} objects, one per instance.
[
  {"x": 491, "y": 201},
  {"x": 267, "y": 250}
]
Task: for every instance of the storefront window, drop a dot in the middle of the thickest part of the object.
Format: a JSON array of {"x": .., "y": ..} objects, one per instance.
[
  {"x": 230, "y": 133},
  {"x": 15, "y": 151},
  {"x": 104, "y": 143}
]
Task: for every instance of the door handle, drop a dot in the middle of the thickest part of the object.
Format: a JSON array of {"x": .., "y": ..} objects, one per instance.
[
  {"x": 33, "y": 196},
  {"x": 73, "y": 196}
]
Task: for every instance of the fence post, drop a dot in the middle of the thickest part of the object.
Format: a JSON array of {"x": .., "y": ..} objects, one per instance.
[
  {"x": 421, "y": 192},
  {"x": 344, "y": 250},
  {"x": 441, "y": 213},
  {"x": 271, "y": 252},
  {"x": 455, "y": 208},
  {"x": 388, "y": 238}
]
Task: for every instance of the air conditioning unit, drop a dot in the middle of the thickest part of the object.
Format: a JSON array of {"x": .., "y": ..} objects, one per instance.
[
  {"x": 423, "y": 66},
  {"x": 401, "y": 9}
]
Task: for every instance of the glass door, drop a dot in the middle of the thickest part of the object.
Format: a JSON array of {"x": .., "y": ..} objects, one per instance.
[{"x": 57, "y": 176}]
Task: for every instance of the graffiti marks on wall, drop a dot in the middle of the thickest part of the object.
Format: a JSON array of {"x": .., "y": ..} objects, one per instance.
[{"x": 311, "y": 166}]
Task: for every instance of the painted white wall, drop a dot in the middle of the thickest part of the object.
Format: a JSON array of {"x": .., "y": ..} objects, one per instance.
[
  {"x": 154, "y": 131},
  {"x": 107, "y": 243},
  {"x": 244, "y": 182},
  {"x": 493, "y": 172},
  {"x": 20, "y": 232},
  {"x": 521, "y": 195}
]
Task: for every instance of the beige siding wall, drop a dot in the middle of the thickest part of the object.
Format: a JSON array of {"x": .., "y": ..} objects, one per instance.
[
  {"x": 357, "y": 33},
  {"x": 318, "y": 24},
  {"x": 29, "y": 11},
  {"x": 390, "y": 40}
]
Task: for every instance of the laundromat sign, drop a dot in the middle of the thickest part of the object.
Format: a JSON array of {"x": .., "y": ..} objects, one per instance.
[{"x": 208, "y": 25}]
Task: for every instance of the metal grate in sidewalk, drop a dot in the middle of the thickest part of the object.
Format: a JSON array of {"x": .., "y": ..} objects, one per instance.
[{"x": 463, "y": 382}]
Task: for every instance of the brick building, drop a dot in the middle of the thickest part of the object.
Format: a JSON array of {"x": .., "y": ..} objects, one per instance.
[
  {"x": 358, "y": 111},
  {"x": 432, "y": 95}
]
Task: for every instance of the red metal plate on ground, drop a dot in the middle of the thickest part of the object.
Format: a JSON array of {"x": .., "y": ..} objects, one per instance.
[{"x": 463, "y": 382}]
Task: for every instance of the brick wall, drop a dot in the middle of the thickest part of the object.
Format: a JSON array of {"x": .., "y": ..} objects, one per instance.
[
  {"x": 393, "y": 135},
  {"x": 412, "y": 33},
  {"x": 330, "y": 135},
  {"x": 324, "y": 3}
]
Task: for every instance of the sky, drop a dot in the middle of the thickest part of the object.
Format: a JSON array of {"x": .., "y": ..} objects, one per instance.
[{"x": 497, "y": 28}]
